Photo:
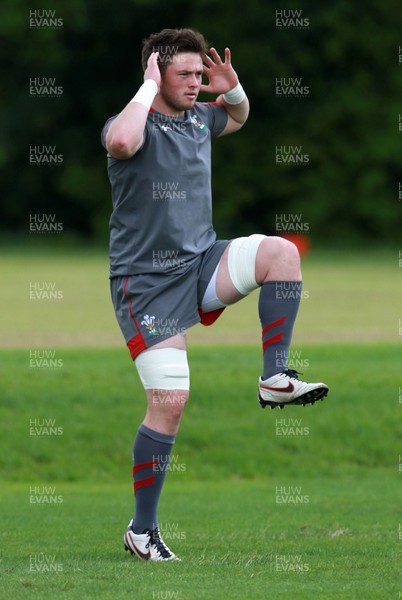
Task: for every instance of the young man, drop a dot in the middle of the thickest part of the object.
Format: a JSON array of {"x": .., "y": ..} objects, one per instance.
[{"x": 168, "y": 272}]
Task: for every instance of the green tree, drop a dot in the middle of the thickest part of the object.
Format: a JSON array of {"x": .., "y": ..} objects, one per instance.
[{"x": 347, "y": 123}]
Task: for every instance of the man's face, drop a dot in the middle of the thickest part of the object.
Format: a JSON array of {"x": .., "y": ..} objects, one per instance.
[{"x": 181, "y": 81}]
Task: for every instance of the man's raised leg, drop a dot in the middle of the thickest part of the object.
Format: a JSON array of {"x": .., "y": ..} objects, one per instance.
[{"x": 272, "y": 263}]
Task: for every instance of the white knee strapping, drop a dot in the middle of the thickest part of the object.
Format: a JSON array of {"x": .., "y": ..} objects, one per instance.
[
  {"x": 241, "y": 262},
  {"x": 164, "y": 369}
]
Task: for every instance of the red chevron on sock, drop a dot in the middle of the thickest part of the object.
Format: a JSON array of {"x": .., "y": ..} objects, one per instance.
[
  {"x": 272, "y": 340},
  {"x": 147, "y": 465},
  {"x": 273, "y": 324},
  {"x": 148, "y": 481}
]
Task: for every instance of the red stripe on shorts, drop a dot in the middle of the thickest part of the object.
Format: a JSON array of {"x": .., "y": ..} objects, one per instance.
[
  {"x": 137, "y": 343},
  {"x": 210, "y": 317}
]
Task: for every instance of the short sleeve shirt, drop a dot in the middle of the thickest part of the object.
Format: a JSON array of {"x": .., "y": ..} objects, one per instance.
[{"x": 162, "y": 201}]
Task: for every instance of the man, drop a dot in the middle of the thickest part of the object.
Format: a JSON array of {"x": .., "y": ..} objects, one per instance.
[{"x": 168, "y": 272}]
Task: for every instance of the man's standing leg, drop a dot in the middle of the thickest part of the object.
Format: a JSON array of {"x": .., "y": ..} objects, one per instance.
[{"x": 164, "y": 374}]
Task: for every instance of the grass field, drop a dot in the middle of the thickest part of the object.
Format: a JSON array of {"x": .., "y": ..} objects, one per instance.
[
  {"x": 302, "y": 503},
  {"x": 347, "y": 298}
]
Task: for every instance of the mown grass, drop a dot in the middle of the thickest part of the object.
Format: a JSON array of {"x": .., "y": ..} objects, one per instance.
[
  {"x": 347, "y": 298},
  {"x": 234, "y": 541},
  {"x": 97, "y": 399},
  {"x": 338, "y": 533},
  {"x": 223, "y": 511}
]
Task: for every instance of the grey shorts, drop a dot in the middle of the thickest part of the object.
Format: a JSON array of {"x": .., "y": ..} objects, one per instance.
[{"x": 153, "y": 307}]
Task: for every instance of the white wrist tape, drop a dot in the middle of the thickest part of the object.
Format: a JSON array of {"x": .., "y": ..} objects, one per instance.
[
  {"x": 235, "y": 96},
  {"x": 146, "y": 93}
]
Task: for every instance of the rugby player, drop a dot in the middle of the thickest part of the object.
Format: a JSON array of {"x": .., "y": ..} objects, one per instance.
[{"x": 168, "y": 271}]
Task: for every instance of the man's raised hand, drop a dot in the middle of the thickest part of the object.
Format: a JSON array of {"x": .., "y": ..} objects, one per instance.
[
  {"x": 152, "y": 71},
  {"x": 221, "y": 75}
]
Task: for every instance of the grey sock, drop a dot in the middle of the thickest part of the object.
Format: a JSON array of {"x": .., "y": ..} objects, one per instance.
[
  {"x": 151, "y": 455},
  {"x": 277, "y": 306}
]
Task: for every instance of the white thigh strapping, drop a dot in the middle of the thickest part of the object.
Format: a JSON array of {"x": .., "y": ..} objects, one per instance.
[
  {"x": 241, "y": 262},
  {"x": 164, "y": 369}
]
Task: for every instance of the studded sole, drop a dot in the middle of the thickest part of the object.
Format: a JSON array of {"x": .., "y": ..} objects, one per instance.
[
  {"x": 127, "y": 549},
  {"x": 308, "y": 398}
]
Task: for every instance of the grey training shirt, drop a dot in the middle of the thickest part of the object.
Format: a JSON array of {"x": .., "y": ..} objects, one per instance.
[{"x": 162, "y": 203}]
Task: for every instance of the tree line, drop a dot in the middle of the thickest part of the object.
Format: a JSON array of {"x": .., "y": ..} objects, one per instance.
[{"x": 319, "y": 155}]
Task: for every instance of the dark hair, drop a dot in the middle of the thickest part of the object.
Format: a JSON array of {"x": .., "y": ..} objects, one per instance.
[{"x": 170, "y": 42}]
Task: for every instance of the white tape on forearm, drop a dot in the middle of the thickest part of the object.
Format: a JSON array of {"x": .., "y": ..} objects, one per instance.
[
  {"x": 235, "y": 96},
  {"x": 146, "y": 93}
]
